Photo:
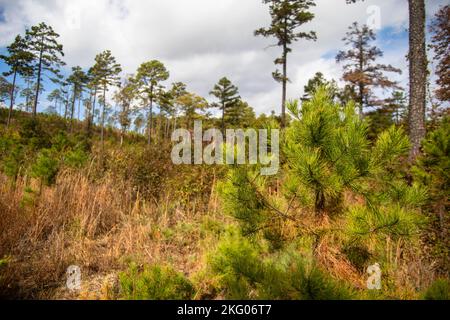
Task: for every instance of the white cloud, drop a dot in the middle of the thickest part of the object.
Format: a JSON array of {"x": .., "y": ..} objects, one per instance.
[{"x": 202, "y": 40}]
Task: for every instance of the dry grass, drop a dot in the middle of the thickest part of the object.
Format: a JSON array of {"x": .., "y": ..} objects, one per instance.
[{"x": 99, "y": 226}]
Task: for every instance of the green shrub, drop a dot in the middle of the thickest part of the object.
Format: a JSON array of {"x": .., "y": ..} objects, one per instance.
[
  {"x": 246, "y": 272},
  {"x": 155, "y": 283},
  {"x": 236, "y": 261},
  {"x": 358, "y": 255},
  {"x": 45, "y": 167},
  {"x": 76, "y": 158},
  {"x": 33, "y": 134},
  {"x": 432, "y": 170},
  {"x": 13, "y": 161},
  {"x": 439, "y": 290}
]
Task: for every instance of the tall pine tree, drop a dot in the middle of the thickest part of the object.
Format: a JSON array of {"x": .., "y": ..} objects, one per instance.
[
  {"x": 417, "y": 75},
  {"x": 441, "y": 41},
  {"x": 287, "y": 17},
  {"x": 360, "y": 67},
  {"x": 42, "y": 41},
  {"x": 106, "y": 73},
  {"x": 19, "y": 60},
  {"x": 149, "y": 77},
  {"x": 78, "y": 80}
]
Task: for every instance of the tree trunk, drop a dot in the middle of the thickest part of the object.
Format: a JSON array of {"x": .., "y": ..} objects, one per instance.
[
  {"x": 38, "y": 85},
  {"x": 11, "y": 105},
  {"x": 102, "y": 138},
  {"x": 223, "y": 118},
  {"x": 27, "y": 98},
  {"x": 417, "y": 75},
  {"x": 167, "y": 128},
  {"x": 283, "y": 99},
  {"x": 87, "y": 111},
  {"x": 175, "y": 123},
  {"x": 92, "y": 121},
  {"x": 79, "y": 106},
  {"x": 72, "y": 111},
  {"x": 150, "y": 122},
  {"x": 361, "y": 84}
]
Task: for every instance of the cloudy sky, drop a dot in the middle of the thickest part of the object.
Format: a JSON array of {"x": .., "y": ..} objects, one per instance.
[{"x": 201, "y": 41}]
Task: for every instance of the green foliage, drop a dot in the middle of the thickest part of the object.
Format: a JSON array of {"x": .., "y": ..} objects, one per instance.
[
  {"x": 326, "y": 149},
  {"x": 246, "y": 272},
  {"x": 76, "y": 158},
  {"x": 45, "y": 167},
  {"x": 433, "y": 168},
  {"x": 155, "y": 283},
  {"x": 432, "y": 171},
  {"x": 358, "y": 255},
  {"x": 439, "y": 290},
  {"x": 13, "y": 161},
  {"x": 328, "y": 157},
  {"x": 393, "y": 221},
  {"x": 241, "y": 199},
  {"x": 33, "y": 134},
  {"x": 42, "y": 42}
]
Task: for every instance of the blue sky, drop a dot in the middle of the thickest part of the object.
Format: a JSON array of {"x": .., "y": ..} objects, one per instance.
[{"x": 201, "y": 40}]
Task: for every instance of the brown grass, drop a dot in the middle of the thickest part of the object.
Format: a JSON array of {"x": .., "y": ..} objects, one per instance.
[{"x": 99, "y": 226}]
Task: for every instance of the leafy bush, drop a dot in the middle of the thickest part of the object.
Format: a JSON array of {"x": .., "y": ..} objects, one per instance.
[
  {"x": 432, "y": 170},
  {"x": 245, "y": 273},
  {"x": 13, "y": 161},
  {"x": 439, "y": 290},
  {"x": 155, "y": 283},
  {"x": 33, "y": 134},
  {"x": 45, "y": 167},
  {"x": 76, "y": 158}
]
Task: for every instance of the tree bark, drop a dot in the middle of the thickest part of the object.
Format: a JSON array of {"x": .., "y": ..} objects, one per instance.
[
  {"x": 38, "y": 85},
  {"x": 92, "y": 122},
  {"x": 11, "y": 105},
  {"x": 150, "y": 122},
  {"x": 284, "y": 95},
  {"x": 417, "y": 75},
  {"x": 102, "y": 135},
  {"x": 223, "y": 118},
  {"x": 73, "y": 108}
]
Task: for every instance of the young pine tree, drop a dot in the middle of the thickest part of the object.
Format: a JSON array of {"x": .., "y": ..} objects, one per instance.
[
  {"x": 327, "y": 155},
  {"x": 315, "y": 83}
]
